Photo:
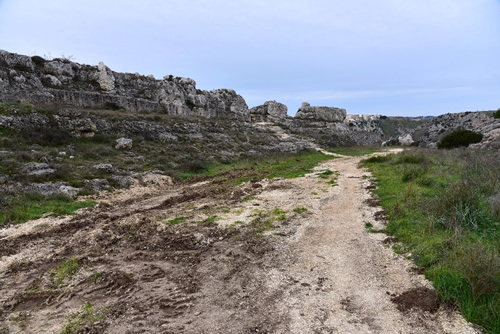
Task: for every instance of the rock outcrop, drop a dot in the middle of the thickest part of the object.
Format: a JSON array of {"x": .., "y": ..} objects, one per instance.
[
  {"x": 325, "y": 114},
  {"x": 270, "y": 111},
  {"x": 429, "y": 134},
  {"x": 62, "y": 82},
  {"x": 63, "y": 85}
]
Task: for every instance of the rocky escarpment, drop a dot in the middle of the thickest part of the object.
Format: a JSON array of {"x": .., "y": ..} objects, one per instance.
[
  {"x": 328, "y": 126},
  {"x": 62, "y": 82},
  {"x": 326, "y": 114},
  {"x": 434, "y": 130}
]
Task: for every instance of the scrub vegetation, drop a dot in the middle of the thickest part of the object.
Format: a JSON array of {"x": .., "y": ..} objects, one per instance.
[{"x": 444, "y": 208}]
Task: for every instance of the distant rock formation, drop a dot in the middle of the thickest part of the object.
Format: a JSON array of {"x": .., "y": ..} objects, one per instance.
[
  {"x": 326, "y": 114},
  {"x": 429, "y": 134},
  {"x": 39, "y": 81}
]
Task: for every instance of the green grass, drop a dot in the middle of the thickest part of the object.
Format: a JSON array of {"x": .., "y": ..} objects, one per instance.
[
  {"x": 176, "y": 220},
  {"x": 441, "y": 206},
  {"x": 86, "y": 316},
  {"x": 33, "y": 206},
  {"x": 286, "y": 166},
  {"x": 355, "y": 151},
  {"x": 300, "y": 210},
  {"x": 65, "y": 270}
]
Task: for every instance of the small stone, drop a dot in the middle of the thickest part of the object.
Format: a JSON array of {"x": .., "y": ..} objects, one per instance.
[
  {"x": 125, "y": 143},
  {"x": 108, "y": 168}
]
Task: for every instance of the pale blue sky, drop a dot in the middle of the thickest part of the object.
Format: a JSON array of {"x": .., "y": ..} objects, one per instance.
[{"x": 390, "y": 57}]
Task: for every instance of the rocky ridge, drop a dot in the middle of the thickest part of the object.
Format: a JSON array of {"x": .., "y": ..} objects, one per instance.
[
  {"x": 429, "y": 134},
  {"x": 61, "y": 83}
]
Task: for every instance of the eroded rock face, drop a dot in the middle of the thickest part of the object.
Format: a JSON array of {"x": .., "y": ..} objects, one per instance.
[
  {"x": 105, "y": 78},
  {"x": 62, "y": 82},
  {"x": 327, "y": 114},
  {"x": 269, "y": 111},
  {"x": 433, "y": 131}
]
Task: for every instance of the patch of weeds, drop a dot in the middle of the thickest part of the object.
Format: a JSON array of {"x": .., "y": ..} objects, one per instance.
[
  {"x": 262, "y": 222},
  {"x": 86, "y": 316},
  {"x": 248, "y": 199},
  {"x": 378, "y": 159},
  {"x": 238, "y": 222},
  {"x": 300, "y": 210},
  {"x": 277, "y": 212},
  {"x": 314, "y": 193},
  {"x": 370, "y": 229},
  {"x": 279, "y": 234},
  {"x": 325, "y": 174},
  {"x": 33, "y": 206},
  {"x": 19, "y": 320},
  {"x": 211, "y": 219},
  {"x": 176, "y": 220},
  {"x": 65, "y": 270},
  {"x": 286, "y": 166}
]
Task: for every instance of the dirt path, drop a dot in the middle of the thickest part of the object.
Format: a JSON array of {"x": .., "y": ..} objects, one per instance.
[{"x": 279, "y": 256}]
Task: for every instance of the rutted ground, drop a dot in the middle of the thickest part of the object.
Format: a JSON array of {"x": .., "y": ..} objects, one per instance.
[{"x": 277, "y": 256}]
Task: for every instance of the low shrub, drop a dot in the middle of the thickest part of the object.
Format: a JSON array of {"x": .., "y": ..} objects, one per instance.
[
  {"x": 113, "y": 106},
  {"x": 497, "y": 114},
  {"x": 48, "y": 136},
  {"x": 460, "y": 138},
  {"x": 39, "y": 61},
  {"x": 378, "y": 159}
]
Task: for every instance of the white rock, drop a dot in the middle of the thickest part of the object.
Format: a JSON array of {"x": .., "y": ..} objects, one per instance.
[
  {"x": 406, "y": 140},
  {"x": 69, "y": 191},
  {"x": 123, "y": 143},
  {"x": 106, "y": 78}
]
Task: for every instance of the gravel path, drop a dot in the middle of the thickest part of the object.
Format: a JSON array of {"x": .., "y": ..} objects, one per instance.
[{"x": 337, "y": 277}]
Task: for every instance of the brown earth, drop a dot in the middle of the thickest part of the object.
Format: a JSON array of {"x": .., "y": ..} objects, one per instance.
[{"x": 241, "y": 260}]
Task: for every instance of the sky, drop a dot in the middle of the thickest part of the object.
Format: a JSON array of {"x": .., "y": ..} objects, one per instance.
[{"x": 387, "y": 57}]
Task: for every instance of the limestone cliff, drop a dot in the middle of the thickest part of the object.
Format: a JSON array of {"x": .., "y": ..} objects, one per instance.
[{"x": 62, "y": 82}]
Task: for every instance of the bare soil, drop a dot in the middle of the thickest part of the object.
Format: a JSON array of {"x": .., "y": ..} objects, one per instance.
[{"x": 241, "y": 260}]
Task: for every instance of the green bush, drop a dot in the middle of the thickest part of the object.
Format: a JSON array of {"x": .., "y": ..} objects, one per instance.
[
  {"x": 460, "y": 138},
  {"x": 113, "y": 106},
  {"x": 38, "y": 60},
  {"x": 378, "y": 159},
  {"x": 497, "y": 114}
]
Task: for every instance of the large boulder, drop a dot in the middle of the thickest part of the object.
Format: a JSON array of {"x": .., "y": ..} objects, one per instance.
[
  {"x": 406, "y": 140},
  {"x": 269, "y": 111},
  {"x": 327, "y": 114}
]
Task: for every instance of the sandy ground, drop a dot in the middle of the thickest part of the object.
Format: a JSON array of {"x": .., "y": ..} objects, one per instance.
[{"x": 242, "y": 261}]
